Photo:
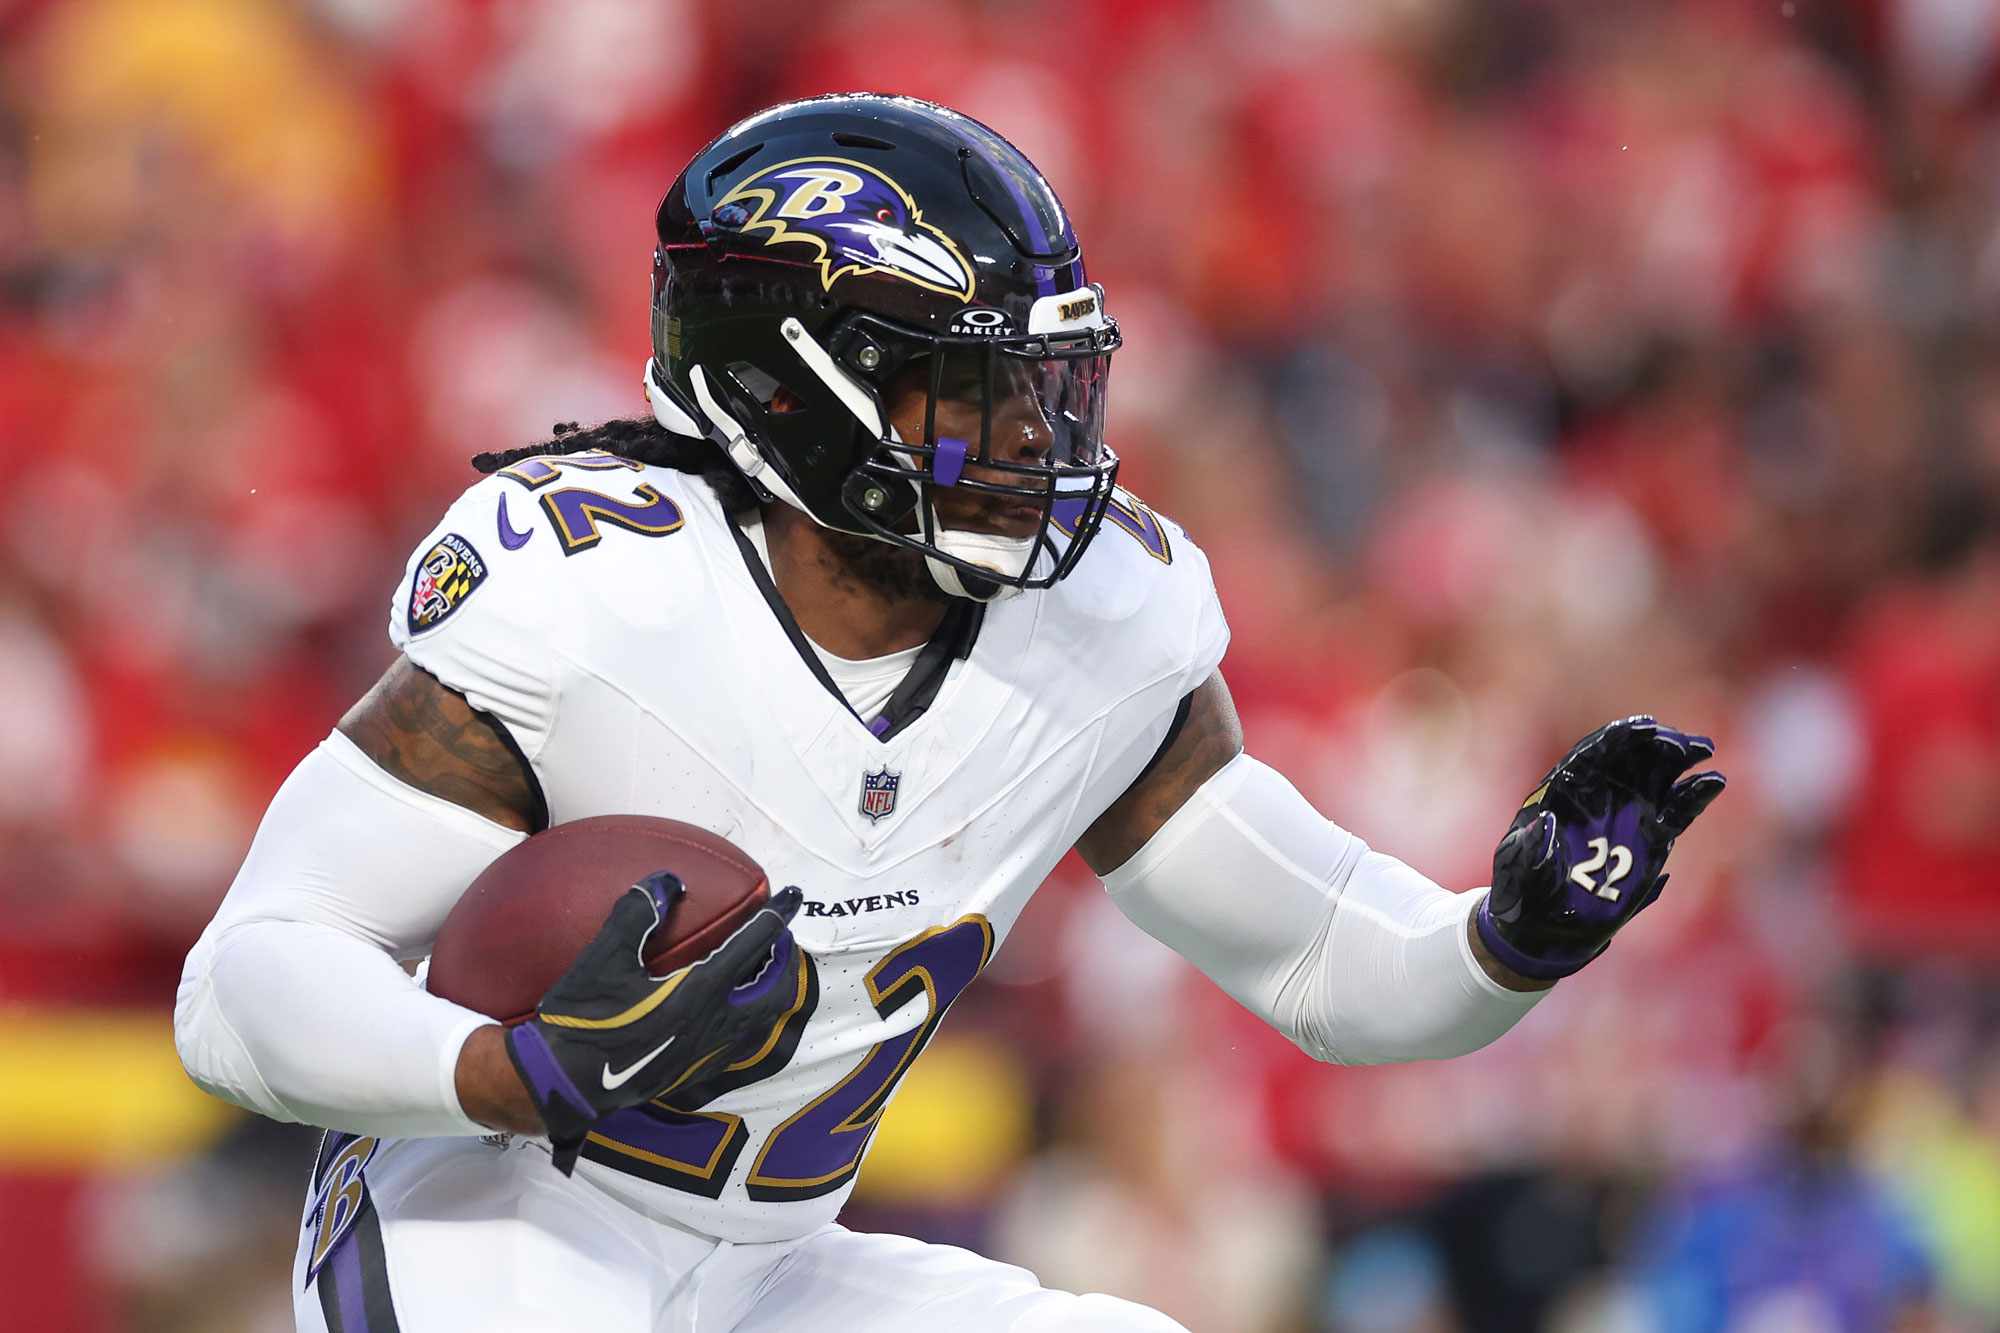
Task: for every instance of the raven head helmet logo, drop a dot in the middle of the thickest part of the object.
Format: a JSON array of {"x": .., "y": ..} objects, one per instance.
[{"x": 858, "y": 220}]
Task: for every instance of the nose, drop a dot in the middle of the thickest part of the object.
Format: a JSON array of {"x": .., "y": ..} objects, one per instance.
[{"x": 1020, "y": 434}]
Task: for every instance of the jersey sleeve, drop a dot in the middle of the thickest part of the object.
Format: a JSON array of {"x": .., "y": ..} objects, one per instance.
[
  {"x": 1208, "y": 637},
  {"x": 477, "y": 608}
]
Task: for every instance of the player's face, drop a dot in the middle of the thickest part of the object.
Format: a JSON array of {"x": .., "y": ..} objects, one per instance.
[{"x": 1020, "y": 433}]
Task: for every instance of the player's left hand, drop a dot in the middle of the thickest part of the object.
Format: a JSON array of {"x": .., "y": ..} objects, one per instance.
[{"x": 1587, "y": 851}]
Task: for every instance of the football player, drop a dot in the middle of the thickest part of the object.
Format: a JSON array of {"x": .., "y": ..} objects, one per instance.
[{"x": 864, "y": 597}]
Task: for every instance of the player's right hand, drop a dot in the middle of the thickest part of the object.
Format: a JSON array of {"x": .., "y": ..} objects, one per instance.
[{"x": 610, "y": 1035}]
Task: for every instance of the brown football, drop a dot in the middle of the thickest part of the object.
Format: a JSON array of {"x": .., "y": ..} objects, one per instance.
[{"x": 528, "y": 915}]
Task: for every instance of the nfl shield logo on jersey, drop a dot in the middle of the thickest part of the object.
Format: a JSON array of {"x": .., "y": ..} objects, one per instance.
[{"x": 878, "y": 793}]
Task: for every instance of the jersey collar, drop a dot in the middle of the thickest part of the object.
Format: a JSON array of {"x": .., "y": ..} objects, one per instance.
[{"x": 952, "y": 642}]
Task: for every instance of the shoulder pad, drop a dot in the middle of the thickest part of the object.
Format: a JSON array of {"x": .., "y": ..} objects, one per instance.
[
  {"x": 1144, "y": 575},
  {"x": 491, "y": 589}
]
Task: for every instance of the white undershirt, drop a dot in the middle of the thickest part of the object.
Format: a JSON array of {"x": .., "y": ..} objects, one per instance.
[{"x": 866, "y": 684}]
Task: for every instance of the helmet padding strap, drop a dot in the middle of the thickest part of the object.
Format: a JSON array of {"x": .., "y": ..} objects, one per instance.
[
  {"x": 671, "y": 416},
  {"x": 821, "y": 363},
  {"x": 736, "y": 442}
]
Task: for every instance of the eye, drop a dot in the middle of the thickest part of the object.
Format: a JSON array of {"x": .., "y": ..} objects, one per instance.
[{"x": 884, "y": 215}]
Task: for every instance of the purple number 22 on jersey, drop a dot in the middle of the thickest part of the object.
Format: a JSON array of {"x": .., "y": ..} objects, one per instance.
[{"x": 819, "y": 1149}]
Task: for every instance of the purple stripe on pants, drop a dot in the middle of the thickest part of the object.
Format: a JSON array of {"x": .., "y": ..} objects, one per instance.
[{"x": 350, "y": 1297}]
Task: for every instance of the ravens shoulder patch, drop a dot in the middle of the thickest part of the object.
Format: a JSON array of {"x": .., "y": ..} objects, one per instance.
[{"x": 450, "y": 572}]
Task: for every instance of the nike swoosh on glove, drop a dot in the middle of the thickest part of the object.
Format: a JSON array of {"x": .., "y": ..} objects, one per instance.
[
  {"x": 610, "y": 1035},
  {"x": 1588, "y": 849}
]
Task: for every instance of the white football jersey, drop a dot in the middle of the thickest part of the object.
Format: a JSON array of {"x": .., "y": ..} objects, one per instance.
[{"x": 616, "y": 621}]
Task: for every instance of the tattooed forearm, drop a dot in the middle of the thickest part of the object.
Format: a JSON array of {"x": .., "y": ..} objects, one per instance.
[
  {"x": 1210, "y": 738},
  {"x": 423, "y": 733}
]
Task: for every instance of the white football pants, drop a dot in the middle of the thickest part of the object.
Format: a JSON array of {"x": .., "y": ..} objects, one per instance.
[{"x": 453, "y": 1235}]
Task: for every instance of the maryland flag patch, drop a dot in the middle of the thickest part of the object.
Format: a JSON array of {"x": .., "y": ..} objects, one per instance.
[{"x": 446, "y": 576}]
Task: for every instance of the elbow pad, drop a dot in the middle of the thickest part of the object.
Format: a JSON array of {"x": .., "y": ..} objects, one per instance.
[
  {"x": 1354, "y": 956},
  {"x": 292, "y": 1003}
]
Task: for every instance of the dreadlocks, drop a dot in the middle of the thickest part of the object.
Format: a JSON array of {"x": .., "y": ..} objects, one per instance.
[{"x": 643, "y": 441}]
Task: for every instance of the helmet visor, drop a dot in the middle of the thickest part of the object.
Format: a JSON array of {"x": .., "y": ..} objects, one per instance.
[{"x": 1005, "y": 406}]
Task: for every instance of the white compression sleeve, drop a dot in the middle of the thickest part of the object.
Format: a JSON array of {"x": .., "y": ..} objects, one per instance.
[
  {"x": 1353, "y": 955},
  {"x": 292, "y": 1003}
]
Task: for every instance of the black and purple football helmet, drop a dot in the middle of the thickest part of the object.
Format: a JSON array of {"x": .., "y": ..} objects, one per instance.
[{"x": 836, "y": 246}]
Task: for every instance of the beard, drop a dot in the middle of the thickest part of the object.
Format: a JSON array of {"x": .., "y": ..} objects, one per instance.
[{"x": 892, "y": 571}]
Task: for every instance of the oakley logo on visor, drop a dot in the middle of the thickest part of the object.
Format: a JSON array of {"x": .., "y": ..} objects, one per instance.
[{"x": 981, "y": 321}]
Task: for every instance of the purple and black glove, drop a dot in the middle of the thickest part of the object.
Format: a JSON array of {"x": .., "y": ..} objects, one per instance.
[
  {"x": 1588, "y": 849},
  {"x": 609, "y": 1035}
]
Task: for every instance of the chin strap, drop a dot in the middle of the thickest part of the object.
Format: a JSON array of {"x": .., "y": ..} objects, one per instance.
[{"x": 1007, "y": 556}]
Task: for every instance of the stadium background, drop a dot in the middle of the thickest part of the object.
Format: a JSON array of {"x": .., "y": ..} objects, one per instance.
[{"x": 1520, "y": 364}]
